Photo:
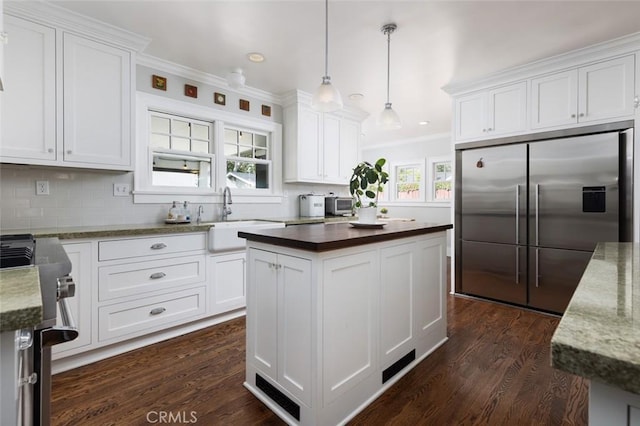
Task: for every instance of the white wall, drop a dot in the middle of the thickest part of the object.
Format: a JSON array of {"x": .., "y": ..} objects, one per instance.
[{"x": 439, "y": 145}]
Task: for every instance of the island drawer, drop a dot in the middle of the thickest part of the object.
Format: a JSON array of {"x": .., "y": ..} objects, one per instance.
[
  {"x": 149, "y": 246},
  {"x": 130, "y": 279},
  {"x": 144, "y": 315}
]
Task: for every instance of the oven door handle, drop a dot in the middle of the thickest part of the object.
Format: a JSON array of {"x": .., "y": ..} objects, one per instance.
[{"x": 64, "y": 333}]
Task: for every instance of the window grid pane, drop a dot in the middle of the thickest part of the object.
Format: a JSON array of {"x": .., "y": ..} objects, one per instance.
[
  {"x": 181, "y": 134},
  {"x": 408, "y": 179},
  {"x": 442, "y": 181},
  {"x": 245, "y": 154}
]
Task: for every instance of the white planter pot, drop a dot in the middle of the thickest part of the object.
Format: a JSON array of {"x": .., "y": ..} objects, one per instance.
[{"x": 367, "y": 214}]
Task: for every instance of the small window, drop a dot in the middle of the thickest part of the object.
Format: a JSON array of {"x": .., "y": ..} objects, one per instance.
[
  {"x": 248, "y": 159},
  {"x": 440, "y": 179},
  {"x": 181, "y": 151},
  {"x": 408, "y": 182}
]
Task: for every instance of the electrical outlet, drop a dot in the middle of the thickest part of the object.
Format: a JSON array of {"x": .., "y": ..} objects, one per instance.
[
  {"x": 121, "y": 189},
  {"x": 42, "y": 187}
]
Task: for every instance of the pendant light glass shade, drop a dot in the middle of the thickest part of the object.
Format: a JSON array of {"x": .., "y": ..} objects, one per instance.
[
  {"x": 327, "y": 98},
  {"x": 389, "y": 119}
]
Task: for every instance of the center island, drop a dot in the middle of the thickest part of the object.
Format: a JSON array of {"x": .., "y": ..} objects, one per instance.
[{"x": 337, "y": 314}]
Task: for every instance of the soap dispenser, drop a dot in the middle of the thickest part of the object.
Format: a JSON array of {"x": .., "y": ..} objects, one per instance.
[
  {"x": 186, "y": 212},
  {"x": 172, "y": 216}
]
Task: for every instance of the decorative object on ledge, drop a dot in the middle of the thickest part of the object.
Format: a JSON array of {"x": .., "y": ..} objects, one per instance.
[
  {"x": 158, "y": 82},
  {"x": 244, "y": 104},
  {"x": 191, "y": 91},
  {"x": 220, "y": 98},
  {"x": 266, "y": 110}
]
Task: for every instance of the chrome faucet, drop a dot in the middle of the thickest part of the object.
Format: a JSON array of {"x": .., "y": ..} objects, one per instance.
[
  {"x": 200, "y": 212},
  {"x": 226, "y": 200}
]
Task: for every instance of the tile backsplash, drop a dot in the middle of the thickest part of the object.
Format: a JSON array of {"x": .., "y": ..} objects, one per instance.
[{"x": 85, "y": 198}]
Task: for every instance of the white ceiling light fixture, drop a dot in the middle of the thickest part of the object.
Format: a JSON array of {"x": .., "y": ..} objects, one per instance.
[
  {"x": 389, "y": 119},
  {"x": 236, "y": 79},
  {"x": 327, "y": 98},
  {"x": 256, "y": 57}
]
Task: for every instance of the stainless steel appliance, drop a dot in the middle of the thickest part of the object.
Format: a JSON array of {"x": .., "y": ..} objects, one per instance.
[
  {"x": 34, "y": 374},
  {"x": 311, "y": 205},
  {"x": 338, "y": 206},
  {"x": 529, "y": 215}
]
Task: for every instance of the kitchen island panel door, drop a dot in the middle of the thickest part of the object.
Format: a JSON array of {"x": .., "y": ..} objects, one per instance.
[
  {"x": 553, "y": 277},
  {"x": 496, "y": 271},
  {"x": 261, "y": 312},
  {"x": 574, "y": 193},
  {"x": 349, "y": 329},
  {"x": 494, "y": 187}
]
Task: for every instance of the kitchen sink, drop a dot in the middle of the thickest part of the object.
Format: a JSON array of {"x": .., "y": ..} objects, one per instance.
[{"x": 224, "y": 235}]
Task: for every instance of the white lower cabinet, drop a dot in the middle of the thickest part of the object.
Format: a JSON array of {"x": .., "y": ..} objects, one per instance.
[
  {"x": 227, "y": 282},
  {"x": 281, "y": 304},
  {"x": 610, "y": 406},
  {"x": 327, "y": 332}
]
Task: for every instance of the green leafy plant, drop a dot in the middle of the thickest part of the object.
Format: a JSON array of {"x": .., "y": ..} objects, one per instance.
[{"x": 367, "y": 181}]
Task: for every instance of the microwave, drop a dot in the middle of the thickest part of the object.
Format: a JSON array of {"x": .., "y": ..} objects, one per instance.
[{"x": 338, "y": 206}]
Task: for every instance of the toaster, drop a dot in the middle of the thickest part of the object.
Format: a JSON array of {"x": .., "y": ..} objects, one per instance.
[{"x": 311, "y": 205}]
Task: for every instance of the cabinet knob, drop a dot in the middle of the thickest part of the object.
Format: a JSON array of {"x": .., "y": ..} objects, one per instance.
[
  {"x": 581, "y": 114},
  {"x": 50, "y": 150},
  {"x": 157, "y": 311},
  {"x": 158, "y": 246},
  {"x": 489, "y": 129},
  {"x": 157, "y": 275},
  {"x": 69, "y": 151},
  {"x": 484, "y": 130},
  {"x": 573, "y": 116}
]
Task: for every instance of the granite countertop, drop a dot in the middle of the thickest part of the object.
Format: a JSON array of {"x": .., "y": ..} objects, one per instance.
[
  {"x": 599, "y": 335},
  {"x": 324, "y": 237},
  {"x": 20, "y": 299}
]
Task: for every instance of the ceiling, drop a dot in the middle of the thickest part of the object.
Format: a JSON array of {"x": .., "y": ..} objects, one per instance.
[{"x": 436, "y": 43}]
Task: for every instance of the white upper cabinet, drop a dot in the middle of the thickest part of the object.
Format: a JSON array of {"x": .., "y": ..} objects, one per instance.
[
  {"x": 29, "y": 98},
  {"x": 69, "y": 87},
  {"x": 598, "y": 92},
  {"x": 491, "y": 113},
  {"x": 319, "y": 147},
  {"x": 97, "y": 103}
]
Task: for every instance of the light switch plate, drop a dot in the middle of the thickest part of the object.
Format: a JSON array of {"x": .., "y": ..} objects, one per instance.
[{"x": 121, "y": 189}]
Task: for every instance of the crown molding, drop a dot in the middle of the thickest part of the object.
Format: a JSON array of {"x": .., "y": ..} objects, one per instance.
[
  {"x": 204, "y": 77},
  {"x": 47, "y": 13},
  {"x": 297, "y": 96},
  {"x": 608, "y": 49}
]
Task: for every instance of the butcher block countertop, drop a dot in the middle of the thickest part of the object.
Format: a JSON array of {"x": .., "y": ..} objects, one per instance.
[
  {"x": 20, "y": 299},
  {"x": 324, "y": 237},
  {"x": 599, "y": 334}
]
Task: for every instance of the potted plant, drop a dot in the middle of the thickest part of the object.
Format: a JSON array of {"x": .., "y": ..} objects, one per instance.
[{"x": 367, "y": 181}]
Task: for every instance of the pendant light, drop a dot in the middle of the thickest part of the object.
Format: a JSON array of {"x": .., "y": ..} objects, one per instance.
[
  {"x": 388, "y": 117},
  {"x": 327, "y": 98}
]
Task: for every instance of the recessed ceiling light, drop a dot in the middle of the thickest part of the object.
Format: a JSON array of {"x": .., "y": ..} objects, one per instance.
[
  {"x": 356, "y": 96},
  {"x": 423, "y": 123},
  {"x": 255, "y": 57}
]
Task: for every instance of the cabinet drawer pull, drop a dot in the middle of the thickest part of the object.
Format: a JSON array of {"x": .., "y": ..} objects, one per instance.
[
  {"x": 157, "y": 275},
  {"x": 157, "y": 311},
  {"x": 158, "y": 246}
]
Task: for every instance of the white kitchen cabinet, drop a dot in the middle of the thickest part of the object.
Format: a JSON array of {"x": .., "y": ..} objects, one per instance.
[
  {"x": 593, "y": 93},
  {"x": 29, "y": 98},
  {"x": 68, "y": 98},
  {"x": 320, "y": 147},
  {"x": 612, "y": 406},
  {"x": 281, "y": 302},
  {"x": 491, "y": 113},
  {"x": 80, "y": 303},
  {"x": 227, "y": 282}
]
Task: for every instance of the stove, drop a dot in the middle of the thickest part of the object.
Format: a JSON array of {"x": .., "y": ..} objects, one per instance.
[{"x": 34, "y": 350}]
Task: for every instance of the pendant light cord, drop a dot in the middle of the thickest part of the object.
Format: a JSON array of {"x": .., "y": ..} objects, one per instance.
[
  {"x": 388, "y": 61},
  {"x": 326, "y": 38}
]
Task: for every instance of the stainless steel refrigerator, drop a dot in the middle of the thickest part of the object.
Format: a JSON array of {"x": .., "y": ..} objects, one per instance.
[{"x": 530, "y": 214}]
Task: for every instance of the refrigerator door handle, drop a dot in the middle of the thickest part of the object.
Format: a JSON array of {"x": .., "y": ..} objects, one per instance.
[
  {"x": 537, "y": 268},
  {"x": 537, "y": 216},
  {"x": 517, "y": 214},
  {"x": 517, "y": 265}
]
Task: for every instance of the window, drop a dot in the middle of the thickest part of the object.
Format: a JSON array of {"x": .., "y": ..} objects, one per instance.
[
  {"x": 407, "y": 182},
  {"x": 247, "y": 158},
  {"x": 181, "y": 150},
  {"x": 440, "y": 179}
]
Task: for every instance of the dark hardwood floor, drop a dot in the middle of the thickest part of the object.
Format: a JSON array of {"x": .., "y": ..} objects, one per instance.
[{"x": 494, "y": 370}]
